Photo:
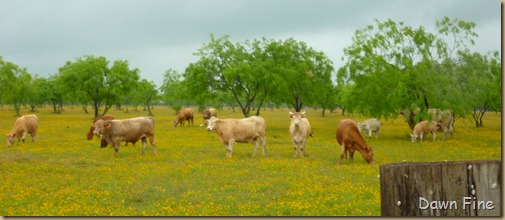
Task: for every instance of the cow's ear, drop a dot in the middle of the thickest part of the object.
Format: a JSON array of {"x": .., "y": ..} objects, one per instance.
[{"x": 108, "y": 124}]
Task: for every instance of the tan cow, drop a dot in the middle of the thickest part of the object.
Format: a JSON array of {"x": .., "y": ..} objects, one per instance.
[
  {"x": 208, "y": 113},
  {"x": 444, "y": 118},
  {"x": 127, "y": 130},
  {"x": 299, "y": 129},
  {"x": 245, "y": 130},
  {"x": 350, "y": 139},
  {"x": 184, "y": 115},
  {"x": 424, "y": 127},
  {"x": 27, "y": 124}
]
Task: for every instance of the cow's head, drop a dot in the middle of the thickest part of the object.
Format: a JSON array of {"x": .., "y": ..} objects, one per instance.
[
  {"x": 91, "y": 131},
  {"x": 296, "y": 117},
  {"x": 211, "y": 123},
  {"x": 175, "y": 122},
  {"x": 368, "y": 155},
  {"x": 100, "y": 126},
  {"x": 10, "y": 139},
  {"x": 414, "y": 137}
]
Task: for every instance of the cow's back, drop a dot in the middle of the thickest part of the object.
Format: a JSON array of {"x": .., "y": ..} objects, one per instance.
[
  {"x": 241, "y": 130},
  {"x": 348, "y": 131},
  {"x": 28, "y": 122},
  {"x": 442, "y": 117},
  {"x": 131, "y": 129}
]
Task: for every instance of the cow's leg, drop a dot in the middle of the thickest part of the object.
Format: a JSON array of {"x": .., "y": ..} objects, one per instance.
[
  {"x": 264, "y": 144},
  {"x": 444, "y": 130},
  {"x": 370, "y": 133},
  {"x": 256, "y": 145},
  {"x": 377, "y": 134},
  {"x": 421, "y": 136},
  {"x": 342, "y": 153},
  {"x": 116, "y": 148},
  {"x": 296, "y": 148},
  {"x": 303, "y": 147},
  {"x": 24, "y": 136},
  {"x": 103, "y": 143},
  {"x": 153, "y": 144},
  {"x": 144, "y": 145},
  {"x": 34, "y": 136},
  {"x": 434, "y": 134},
  {"x": 229, "y": 148}
]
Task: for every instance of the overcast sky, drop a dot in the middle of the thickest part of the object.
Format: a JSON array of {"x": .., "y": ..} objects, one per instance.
[{"x": 156, "y": 35}]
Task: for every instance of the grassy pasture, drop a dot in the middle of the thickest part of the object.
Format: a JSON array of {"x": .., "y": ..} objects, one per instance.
[{"x": 63, "y": 174}]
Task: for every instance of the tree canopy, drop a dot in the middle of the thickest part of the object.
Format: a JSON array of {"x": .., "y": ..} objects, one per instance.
[{"x": 391, "y": 67}]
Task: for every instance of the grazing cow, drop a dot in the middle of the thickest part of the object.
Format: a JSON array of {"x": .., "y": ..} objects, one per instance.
[
  {"x": 444, "y": 118},
  {"x": 350, "y": 139},
  {"x": 424, "y": 127},
  {"x": 369, "y": 126},
  {"x": 299, "y": 130},
  {"x": 26, "y": 124},
  {"x": 245, "y": 130},
  {"x": 209, "y": 113},
  {"x": 127, "y": 130},
  {"x": 184, "y": 115}
]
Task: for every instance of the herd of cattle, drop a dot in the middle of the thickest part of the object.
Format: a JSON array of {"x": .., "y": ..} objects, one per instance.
[{"x": 113, "y": 131}]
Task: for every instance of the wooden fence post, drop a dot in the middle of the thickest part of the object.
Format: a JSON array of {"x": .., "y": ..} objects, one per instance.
[{"x": 464, "y": 188}]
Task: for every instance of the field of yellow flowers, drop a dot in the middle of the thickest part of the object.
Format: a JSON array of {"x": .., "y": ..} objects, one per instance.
[{"x": 63, "y": 174}]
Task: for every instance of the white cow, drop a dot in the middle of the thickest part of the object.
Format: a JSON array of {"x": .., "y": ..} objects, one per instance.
[
  {"x": 424, "y": 127},
  {"x": 299, "y": 131},
  {"x": 369, "y": 126},
  {"x": 24, "y": 125},
  {"x": 244, "y": 130}
]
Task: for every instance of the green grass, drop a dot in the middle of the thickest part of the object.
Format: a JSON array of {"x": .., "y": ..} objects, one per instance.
[{"x": 63, "y": 174}]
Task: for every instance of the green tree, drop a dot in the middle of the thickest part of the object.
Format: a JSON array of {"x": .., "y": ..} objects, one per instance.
[
  {"x": 146, "y": 94},
  {"x": 173, "y": 91},
  {"x": 125, "y": 81},
  {"x": 91, "y": 80},
  {"x": 299, "y": 75},
  {"x": 15, "y": 83},
  {"x": 54, "y": 90},
  {"x": 393, "y": 67},
  {"x": 480, "y": 78},
  {"x": 225, "y": 67},
  {"x": 36, "y": 93}
]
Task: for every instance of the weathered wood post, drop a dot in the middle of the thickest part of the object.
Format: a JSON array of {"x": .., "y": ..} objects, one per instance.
[{"x": 465, "y": 188}]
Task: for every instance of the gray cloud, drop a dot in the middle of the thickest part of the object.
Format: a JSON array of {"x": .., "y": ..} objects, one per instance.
[{"x": 156, "y": 35}]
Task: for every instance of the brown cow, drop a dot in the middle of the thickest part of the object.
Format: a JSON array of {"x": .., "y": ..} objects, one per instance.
[
  {"x": 27, "y": 124},
  {"x": 127, "y": 130},
  {"x": 184, "y": 115},
  {"x": 208, "y": 113},
  {"x": 244, "y": 130},
  {"x": 350, "y": 139},
  {"x": 299, "y": 129},
  {"x": 424, "y": 127}
]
